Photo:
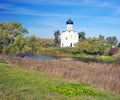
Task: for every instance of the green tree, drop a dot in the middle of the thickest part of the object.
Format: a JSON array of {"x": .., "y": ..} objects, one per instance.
[
  {"x": 81, "y": 46},
  {"x": 118, "y": 45},
  {"x": 16, "y": 48},
  {"x": 34, "y": 43},
  {"x": 91, "y": 46},
  {"x": 81, "y": 35},
  {"x": 57, "y": 40},
  {"x": 9, "y": 32},
  {"x": 101, "y": 37},
  {"x": 112, "y": 40}
]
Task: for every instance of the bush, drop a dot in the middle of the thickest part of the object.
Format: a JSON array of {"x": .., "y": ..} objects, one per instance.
[
  {"x": 72, "y": 89},
  {"x": 91, "y": 46},
  {"x": 112, "y": 51},
  {"x": 118, "y": 45},
  {"x": 117, "y": 55}
]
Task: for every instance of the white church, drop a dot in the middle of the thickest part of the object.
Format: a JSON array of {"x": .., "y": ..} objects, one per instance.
[{"x": 69, "y": 38}]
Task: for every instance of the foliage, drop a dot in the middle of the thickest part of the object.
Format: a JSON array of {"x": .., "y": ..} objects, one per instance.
[
  {"x": 22, "y": 45},
  {"x": 112, "y": 40},
  {"x": 9, "y": 31},
  {"x": 118, "y": 45},
  {"x": 56, "y": 40},
  {"x": 46, "y": 43},
  {"x": 117, "y": 55},
  {"x": 13, "y": 42},
  {"x": 81, "y": 35},
  {"x": 101, "y": 37},
  {"x": 91, "y": 46},
  {"x": 72, "y": 89},
  {"x": 112, "y": 51},
  {"x": 34, "y": 43}
]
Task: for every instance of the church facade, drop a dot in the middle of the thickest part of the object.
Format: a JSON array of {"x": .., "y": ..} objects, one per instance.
[{"x": 69, "y": 38}]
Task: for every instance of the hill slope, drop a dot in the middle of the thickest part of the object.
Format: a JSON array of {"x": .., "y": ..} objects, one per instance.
[{"x": 17, "y": 83}]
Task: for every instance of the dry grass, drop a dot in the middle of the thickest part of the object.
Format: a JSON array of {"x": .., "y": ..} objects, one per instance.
[{"x": 96, "y": 74}]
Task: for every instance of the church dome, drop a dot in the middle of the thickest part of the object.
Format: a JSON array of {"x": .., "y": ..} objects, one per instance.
[{"x": 69, "y": 21}]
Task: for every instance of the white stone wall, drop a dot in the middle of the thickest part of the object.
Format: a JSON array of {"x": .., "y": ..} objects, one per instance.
[
  {"x": 69, "y": 27},
  {"x": 69, "y": 38}
]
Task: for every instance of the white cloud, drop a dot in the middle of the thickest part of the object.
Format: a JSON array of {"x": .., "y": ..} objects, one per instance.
[
  {"x": 13, "y": 9},
  {"x": 117, "y": 12},
  {"x": 90, "y": 1},
  {"x": 48, "y": 2},
  {"x": 104, "y": 4}
]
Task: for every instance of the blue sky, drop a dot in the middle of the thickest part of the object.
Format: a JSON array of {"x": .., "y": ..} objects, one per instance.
[{"x": 43, "y": 17}]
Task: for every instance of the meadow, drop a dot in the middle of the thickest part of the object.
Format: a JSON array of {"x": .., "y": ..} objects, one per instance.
[{"x": 32, "y": 79}]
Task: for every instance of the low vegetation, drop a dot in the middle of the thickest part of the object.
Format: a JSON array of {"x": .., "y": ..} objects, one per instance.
[
  {"x": 102, "y": 75},
  {"x": 20, "y": 83}
]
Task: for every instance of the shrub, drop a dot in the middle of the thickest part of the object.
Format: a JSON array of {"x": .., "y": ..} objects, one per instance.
[
  {"x": 72, "y": 89},
  {"x": 113, "y": 51},
  {"x": 117, "y": 55}
]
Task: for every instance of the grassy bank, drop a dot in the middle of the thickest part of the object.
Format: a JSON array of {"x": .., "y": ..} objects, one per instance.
[
  {"x": 68, "y": 52},
  {"x": 17, "y": 83}
]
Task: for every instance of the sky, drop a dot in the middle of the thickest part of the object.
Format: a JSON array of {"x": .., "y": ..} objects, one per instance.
[{"x": 43, "y": 17}]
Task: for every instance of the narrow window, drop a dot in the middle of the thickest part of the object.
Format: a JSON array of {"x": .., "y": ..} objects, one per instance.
[
  {"x": 66, "y": 38},
  {"x": 70, "y": 44}
]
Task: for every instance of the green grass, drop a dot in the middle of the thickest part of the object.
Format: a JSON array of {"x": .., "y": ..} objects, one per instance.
[
  {"x": 106, "y": 58},
  {"x": 59, "y": 48},
  {"x": 83, "y": 56},
  {"x": 72, "y": 89},
  {"x": 17, "y": 83}
]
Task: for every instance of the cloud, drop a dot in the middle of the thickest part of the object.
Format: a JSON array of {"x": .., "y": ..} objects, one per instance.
[
  {"x": 61, "y": 2},
  {"x": 90, "y": 1},
  {"x": 117, "y": 12},
  {"x": 48, "y": 2},
  {"x": 104, "y": 4},
  {"x": 24, "y": 10}
]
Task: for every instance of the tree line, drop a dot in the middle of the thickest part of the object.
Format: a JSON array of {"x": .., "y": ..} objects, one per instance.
[
  {"x": 14, "y": 42},
  {"x": 97, "y": 45}
]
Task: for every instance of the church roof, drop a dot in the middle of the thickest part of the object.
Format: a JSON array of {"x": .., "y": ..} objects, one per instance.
[{"x": 69, "y": 21}]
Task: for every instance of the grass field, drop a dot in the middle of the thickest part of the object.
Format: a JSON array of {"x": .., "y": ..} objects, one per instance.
[{"x": 18, "y": 83}]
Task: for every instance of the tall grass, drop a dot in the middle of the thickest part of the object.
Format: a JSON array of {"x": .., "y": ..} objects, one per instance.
[
  {"x": 103, "y": 76},
  {"x": 18, "y": 83}
]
